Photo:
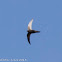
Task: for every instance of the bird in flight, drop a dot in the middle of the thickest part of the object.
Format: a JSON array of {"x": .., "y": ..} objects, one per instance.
[{"x": 30, "y": 31}]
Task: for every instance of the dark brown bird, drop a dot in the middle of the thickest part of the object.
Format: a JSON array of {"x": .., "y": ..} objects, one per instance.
[{"x": 30, "y": 31}]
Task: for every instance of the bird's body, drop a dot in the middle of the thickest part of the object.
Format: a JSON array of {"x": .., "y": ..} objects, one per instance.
[{"x": 30, "y": 31}]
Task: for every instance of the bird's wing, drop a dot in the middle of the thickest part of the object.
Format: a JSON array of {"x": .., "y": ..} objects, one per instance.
[
  {"x": 30, "y": 25},
  {"x": 28, "y": 37}
]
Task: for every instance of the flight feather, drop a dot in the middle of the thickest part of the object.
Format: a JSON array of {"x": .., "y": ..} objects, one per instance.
[{"x": 30, "y": 25}]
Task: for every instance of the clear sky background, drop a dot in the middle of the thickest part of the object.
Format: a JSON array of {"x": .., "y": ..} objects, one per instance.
[{"x": 15, "y": 15}]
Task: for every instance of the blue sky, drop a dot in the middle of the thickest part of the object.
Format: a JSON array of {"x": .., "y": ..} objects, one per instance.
[{"x": 15, "y": 15}]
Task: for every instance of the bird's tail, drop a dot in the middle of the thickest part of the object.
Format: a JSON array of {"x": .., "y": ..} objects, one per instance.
[{"x": 37, "y": 31}]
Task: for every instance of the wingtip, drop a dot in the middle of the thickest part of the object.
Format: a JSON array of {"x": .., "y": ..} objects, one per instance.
[
  {"x": 29, "y": 43},
  {"x": 32, "y": 19}
]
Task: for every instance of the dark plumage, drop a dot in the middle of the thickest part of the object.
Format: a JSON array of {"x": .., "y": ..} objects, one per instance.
[{"x": 29, "y": 33}]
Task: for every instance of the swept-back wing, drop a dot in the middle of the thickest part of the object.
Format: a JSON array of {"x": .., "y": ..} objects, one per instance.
[{"x": 30, "y": 25}]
